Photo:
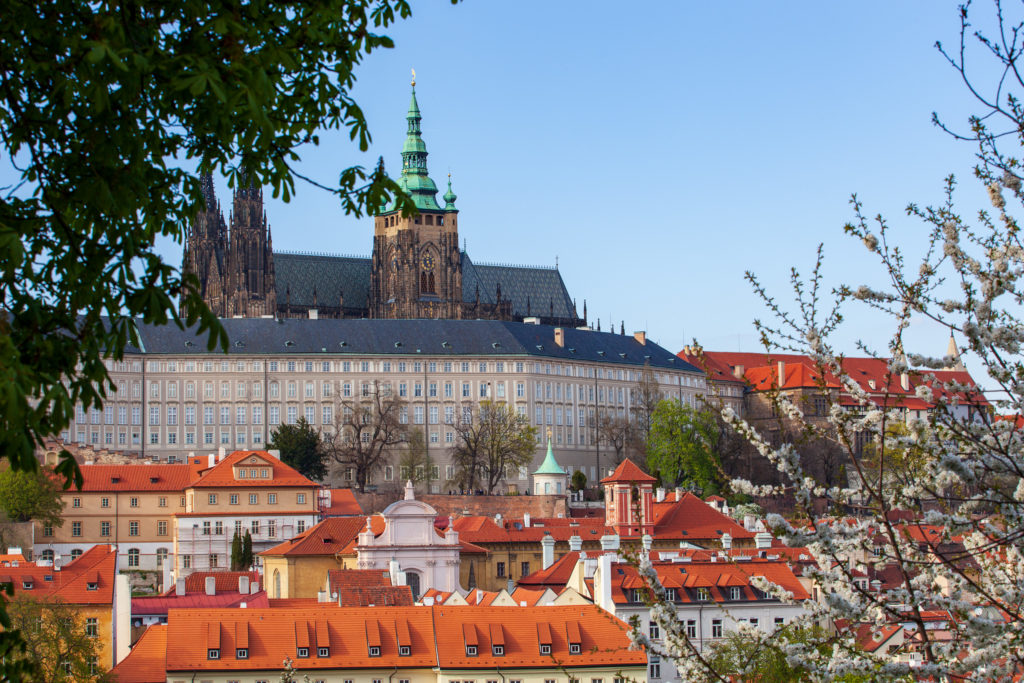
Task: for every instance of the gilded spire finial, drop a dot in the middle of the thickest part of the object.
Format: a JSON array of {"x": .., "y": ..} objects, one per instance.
[{"x": 414, "y": 78}]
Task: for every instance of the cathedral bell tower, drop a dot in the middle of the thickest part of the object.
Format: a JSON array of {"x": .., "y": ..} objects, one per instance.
[{"x": 416, "y": 262}]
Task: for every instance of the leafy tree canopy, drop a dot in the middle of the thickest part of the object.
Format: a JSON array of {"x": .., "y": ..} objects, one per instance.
[
  {"x": 681, "y": 446},
  {"x": 27, "y": 495},
  {"x": 301, "y": 448}
]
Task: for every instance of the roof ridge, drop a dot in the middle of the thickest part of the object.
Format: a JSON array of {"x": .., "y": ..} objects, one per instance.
[
  {"x": 514, "y": 265},
  {"x": 288, "y": 252}
]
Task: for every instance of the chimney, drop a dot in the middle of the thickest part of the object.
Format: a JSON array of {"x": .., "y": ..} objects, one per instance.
[
  {"x": 559, "y": 336},
  {"x": 659, "y": 495},
  {"x": 274, "y": 453},
  {"x": 762, "y": 540},
  {"x": 748, "y": 522},
  {"x": 679, "y": 493},
  {"x": 526, "y": 520},
  {"x": 313, "y": 314},
  {"x": 428, "y": 601},
  {"x": 647, "y": 542},
  {"x": 547, "y": 546},
  {"x": 726, "y": 541},
  {"x": 221, "y": 452},
  {"x": 610, "y": 542},
  {"x": 394, "y": 572},
  {"x": 497, "y": 518},
  {"x": 782, "y": 374},
  {"x": 603, "y": 583},
  {"x": 243, "y": 584},
  {"x": 211, "y": 459},
  {"x": 179, "y": 587},
  {"x": 737, "y": 371},
  {"x": 254, "y": 588},
  {"x": 211, "y": 585},
  {"x": 321, "y": 596},
  {"x": 905, "y": 381},
  {"x": 641, "y": 336},
  {"x": 575, "y": 543}
]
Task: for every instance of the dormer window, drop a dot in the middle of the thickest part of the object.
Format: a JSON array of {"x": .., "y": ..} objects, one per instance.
[
  {"x": 213, "y": 653},
  {"x": 471, "y": 650},
  {"x": 92, "y": 586},
  {"x": 304, "y": 652},
  {"x": 404, "y": 651},
  {"x": 574, "y": 648},
  {"x": 242, "y": 653},
  {"x": 545, "y": 648},
  {"x": 374, "y": 651},
  {"x": 703, "y": 594},
  {"x": 638, "y": 595},
  {"x": 498, "y": 650},
  {"x": 27, "y": 584},
  {"x": 323, "y": 652},
  {"x": 735, "y": 593},
  {"x": 670, "y": 594}
]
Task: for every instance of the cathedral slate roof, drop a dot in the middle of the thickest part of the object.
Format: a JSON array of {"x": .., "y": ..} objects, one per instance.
[
  {"x": 296, "y": 276},
  {"x": 532, "y": 290},
  {"x": 537, "y": 291},
  {"x": 433, "y": 338}
]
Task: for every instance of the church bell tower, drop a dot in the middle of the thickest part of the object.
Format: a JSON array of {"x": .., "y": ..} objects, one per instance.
[{"x": 416, "y": 262}]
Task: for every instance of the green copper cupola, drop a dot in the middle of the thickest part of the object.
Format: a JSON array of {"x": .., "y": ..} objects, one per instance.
[{"x": 415, "y": 180}]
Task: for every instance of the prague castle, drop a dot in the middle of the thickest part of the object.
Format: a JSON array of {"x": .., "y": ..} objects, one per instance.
[{"x": 416, "y": 269}]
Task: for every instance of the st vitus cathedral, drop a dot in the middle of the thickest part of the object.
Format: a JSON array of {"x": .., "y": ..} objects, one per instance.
[{"x": 416, "y": 269}]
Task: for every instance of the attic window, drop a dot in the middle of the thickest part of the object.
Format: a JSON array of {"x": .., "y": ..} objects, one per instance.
[
  {"x": 323, "y": 652},
  {"x": 48, "y": 577},
  {"x": 398, "y": 344},
  {"x": 622, "y": 355},
  {"x": 545, "y": 648},
  {"x": 153, "y": 480},
  {"x": 404, "y": 650},
  {"x": 446, "y": 345},
  {"x": 91, "y": 586},
  {"x": 342, "y": 344},
  {"x": 495, "y": 345},
  {"x": 471, "y": 650},
  {"x": 600, "y": 353},
  {"x": 289, "y": 343},
  {"x": 498, "y": 650},
  {"x": 574, "y": 648},
  {"x": 304, "y": 652},
  {"x": 239, "y": 344},
  {"x": 114, "y": 480},
  {"x": 27, "y": 584},
  {"x": 374, "y": 651},
  {"x": 572, "y": 349},
  {"x": 189, "y": 344},
  {"x": 540, "y": 347},
  {"x": 213, "y": 653},
  {"x": 242, "y": 653}
]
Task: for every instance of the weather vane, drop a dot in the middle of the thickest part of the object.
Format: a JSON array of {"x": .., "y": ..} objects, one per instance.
[
  {"x": 414, "y": 78},
  {"x": 549, "y": 433}
]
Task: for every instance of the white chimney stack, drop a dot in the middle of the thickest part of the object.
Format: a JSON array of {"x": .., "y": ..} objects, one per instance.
[
  {"x": 211, "y": 585},
  {"x": 762, "y": 540},
  {"x": 526, "y": 520},
  {"x": 610, "y": 542},
  {"x": 575, "y": 543},
  {"x": 782, "y": 374},
  {"x": 179, "y": 587},
  {"x": 659, "y": 495},
  {"x": 243, "y": 584},
  {"x": 726, "y": 541},
  {"x": 547, "y": 545}
]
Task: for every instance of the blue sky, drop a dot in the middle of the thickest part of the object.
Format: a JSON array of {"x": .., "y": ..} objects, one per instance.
[{"x": 660, "y": 150}]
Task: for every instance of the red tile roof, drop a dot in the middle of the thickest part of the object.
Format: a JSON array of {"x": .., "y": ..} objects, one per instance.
[
  {"x": 343, "y": 504},
  {"x": 331, "y": 536},
  {"x": 368, "y": 596},
  {"x": 142, "y": 478},
  {"x": 87, "y": 580},
  {"x": 686, "y": 577},
  {"x": 160, "y": 605},
  {"x": 224, "y": 582},
  {"x": 436, "y": 636},
  {"x": 714, "y": 368},
  {"x": 555, "y": 576},
  {"x": 222, "y": 474},
  {"x": 146, "y": 662},
  {"x": 349, "y": 578},
  {"x": 690, "y": 518},
  {"x": 628, "y": 471}
]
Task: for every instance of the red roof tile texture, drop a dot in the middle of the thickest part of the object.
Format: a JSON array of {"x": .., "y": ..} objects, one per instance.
[
  {"x": 142, "y": 478},
  {"x": 88, "y": 580},
  {"x": 715, "y": 577},
  {"x": 223, "y": 473},
  {"x": 329, "y": 537},
  {"x": 146, "y": 662},
  {"x": 628, "y": 471},
  {"x": 223, "y": 581},
  {"x": 160, "y": 605},
  {"x": 436, "y": 636},
  {"x": 343, "y": 504}
]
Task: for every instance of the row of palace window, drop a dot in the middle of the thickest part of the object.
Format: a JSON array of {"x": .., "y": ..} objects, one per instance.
[
  {"x": 134, "y": 556},
  {"x": 254, "y": 498},
  {"x": 133, "y": 501},
  {"x": 133, "y": 528},
  {"x": 324, "y": 366}
]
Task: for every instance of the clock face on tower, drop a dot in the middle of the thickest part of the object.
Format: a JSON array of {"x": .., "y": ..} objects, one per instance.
[{"x": 427, "y": 262}]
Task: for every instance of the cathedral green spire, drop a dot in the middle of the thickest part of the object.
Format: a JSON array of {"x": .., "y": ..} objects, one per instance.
[
  {"x": 449, "y": 196},
  {"x": 415, "y": 180}
]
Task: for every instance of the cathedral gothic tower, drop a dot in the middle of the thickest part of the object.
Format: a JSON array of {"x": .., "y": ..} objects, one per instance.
[
  {"x": 250, "y": 278},
  {"x": 416, "y": 269},
  {"x": 235, "y": 269},
  {"x": 206, "y": 249}
]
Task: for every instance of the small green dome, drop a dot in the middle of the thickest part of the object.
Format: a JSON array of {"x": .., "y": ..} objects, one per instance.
[{"x": 550, "y": 465}]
